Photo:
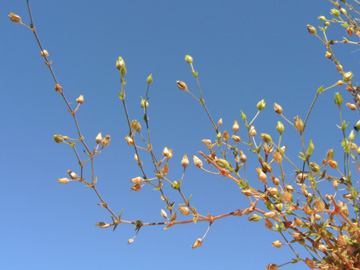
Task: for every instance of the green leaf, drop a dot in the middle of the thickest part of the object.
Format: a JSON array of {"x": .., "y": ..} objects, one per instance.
[
  {"x": 243, "y": 116},
  {"x": 94, "y": 181},
  {"x": 121, "y": 95},
  {"x": 320, "y": 90}
]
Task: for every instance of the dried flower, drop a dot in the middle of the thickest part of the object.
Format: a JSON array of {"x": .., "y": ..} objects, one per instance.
[
  {"x": 268, "y": 224},
  {"x": 44, "y": 53},
  {"x": 252, "y": 131},
  {"x": 137, "y": 180},
  {"x": 63, "y": 180},
  {"x": 136, "y": 187},
  {"x": 58, "y": 88},
  {"x": 185, "y": 161},
  {"x": 310, "y": 263},
  {"x": 236, "y": 138},
  {"x": 135, "y": 125},
  {"x": 80, "y": 99},
  {"x": 328, "y": 54},
  {"x": 14, "y": 18},
  {"x": 105, "y": 142},
  {"x": 277, "y": 108},
  {"x": 184, "y": 210},
  {"x": 333, "y": 164},
  {"x": 98, "y": 138},
  {"x": 277, "y": 244},
  {"x": 275, "y": 180},
  {"x": 198, "y": 243},
  {"x": 243, "y": 157},
  {"x": 277, "y": 156},
  {"x": 198, "y": 163},
  {"x": 235, "y": 126},
  {"x": 129, "y": 140},
  {"x": 261, "y": 175},
  {"x": 272, "y": 266}
]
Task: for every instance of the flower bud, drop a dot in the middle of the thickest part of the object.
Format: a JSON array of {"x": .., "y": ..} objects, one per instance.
[
  {"x": 184, "y": 210},
  {"x": 185, "y": 161},
  {"x": 149, "y": 79},
  {"x": 63, "y": 180},
  {"x": 255, "y": 218},
  {"x": 280, "y": 127},
  {"x": 335, "y": 12},
  {"x": 310, "y": 149},
  {"x": 343, "y": 11},
  {"x": 266, "y": 138},
  {"x": 222, "y": 163},
  {"x": 328, "y": 55},
  {"x": 198, "y": 163},
  {"x": 188, "y": 59},
  {"x": 351, "y": 136},
  {"x": 129, "y": 140},
  {"x": 137, "y": 180},
  {"x": 105, "y": 142},
  {"x": 350, "y": 31},
  {"x": 14, "y": 18},
  {"x": 144, "y": 104},
  {"x": 44, "y": 53},
  {"x": 98, "y": 138},
  {"x": 182, "y": 86},
  {"x": 80, "y": 99},
  {"x": 261, "y": 105},
  {"x": 330, "y": 154},
  {"x": 311, "y": 29},
  {"x": 220, "y": 121},
  {"x": 277, "y": 108},
  {"x": 338, "y": 99},
  {"x": 322, "y": 18},
  {"x": 58, "y": 138},
  {"x": 120, "y": 63},
  {"x": 299, "y": 124},
  {"x": 340, "y": 68},
  {"x": 277, "y": 244},
  {"x": 197, "y": 243}
]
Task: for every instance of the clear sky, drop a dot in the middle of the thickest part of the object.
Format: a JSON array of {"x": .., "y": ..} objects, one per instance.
[{"x": 244, "y": 51}]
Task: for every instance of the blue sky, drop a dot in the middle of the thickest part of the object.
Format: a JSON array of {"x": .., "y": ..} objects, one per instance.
[{"x": 244, "y": 51}]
